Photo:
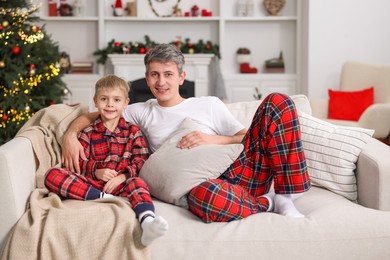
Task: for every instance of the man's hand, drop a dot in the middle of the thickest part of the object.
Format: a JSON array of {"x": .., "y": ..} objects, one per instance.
[
  {"x": 72, "y": 150},
  {"x": 196, "y": 138}
]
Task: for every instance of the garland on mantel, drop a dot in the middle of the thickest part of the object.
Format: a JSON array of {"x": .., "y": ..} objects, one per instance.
[
  {"x": 160, "y": 1},
  {"x": 187, "y": 47}
]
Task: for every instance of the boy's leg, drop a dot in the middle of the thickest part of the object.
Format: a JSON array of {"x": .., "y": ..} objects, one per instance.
[
  {"x": 137, "y": 192},
  {"x": 70, "y": 185}
]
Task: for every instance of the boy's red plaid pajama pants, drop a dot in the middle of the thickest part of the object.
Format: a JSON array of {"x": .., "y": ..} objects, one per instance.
[
  {"x": 272, "y": 152},
  {"x": 71, "y": 185}
]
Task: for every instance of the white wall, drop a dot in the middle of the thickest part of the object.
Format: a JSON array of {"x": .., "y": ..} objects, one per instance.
[{"x": 339, "y": 30}]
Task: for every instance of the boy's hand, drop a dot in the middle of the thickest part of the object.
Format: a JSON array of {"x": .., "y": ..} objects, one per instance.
[
  {"x": 112, "y": 184},
  {"x": 105, "y": 174}
]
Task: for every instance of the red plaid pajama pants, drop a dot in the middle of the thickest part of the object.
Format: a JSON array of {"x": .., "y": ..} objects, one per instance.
[
  {"x": 272, "y": 152},
  {"x": 70, "y": 185}
]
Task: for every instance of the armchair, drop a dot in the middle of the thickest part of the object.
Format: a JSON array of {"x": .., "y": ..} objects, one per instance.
[{"x": 357, "y": 76}]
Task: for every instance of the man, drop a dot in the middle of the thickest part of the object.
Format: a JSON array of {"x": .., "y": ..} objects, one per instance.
[{"x": 272, "y": 152}]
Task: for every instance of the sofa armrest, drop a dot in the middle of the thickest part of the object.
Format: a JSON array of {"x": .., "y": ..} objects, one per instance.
[
  {"x": 17, "y": 181},
  {"x": 320, "y": 108},
  {"x": 373, "y": 176},
  {"x": 377, "y": 117}
]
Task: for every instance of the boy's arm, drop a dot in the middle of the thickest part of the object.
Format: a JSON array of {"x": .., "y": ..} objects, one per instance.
[{"x": 72, "y": 150}]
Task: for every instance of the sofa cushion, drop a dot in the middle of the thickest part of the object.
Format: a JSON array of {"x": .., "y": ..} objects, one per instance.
[
  {"x": 244, "y": 111},
  {"x": 331, "y": 153},
  {"x": 333, "y": 228},
  {"x": 349, "y": 105},
  {"x": 171, "y": 172}
]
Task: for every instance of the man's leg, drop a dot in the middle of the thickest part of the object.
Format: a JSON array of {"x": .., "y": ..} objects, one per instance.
[
  {"x": 220, "y": 201},
  {"x": 273, "y": 151}
]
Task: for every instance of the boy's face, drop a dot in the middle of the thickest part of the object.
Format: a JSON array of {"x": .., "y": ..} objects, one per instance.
[
  {"x": 110, "y": 103},
  {"x": 164, "y": 80}
]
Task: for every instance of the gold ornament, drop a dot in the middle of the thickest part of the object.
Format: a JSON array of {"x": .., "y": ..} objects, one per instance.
[
  {"x": 5, "y": 23},
  {"x": 35, "y": 28},
  {"x": 2, "y": 64}
]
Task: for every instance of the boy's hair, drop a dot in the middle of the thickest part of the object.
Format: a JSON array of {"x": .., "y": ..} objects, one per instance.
[
  {"x": 165, "y": 53},
  {"x": 110, "y": 82}
]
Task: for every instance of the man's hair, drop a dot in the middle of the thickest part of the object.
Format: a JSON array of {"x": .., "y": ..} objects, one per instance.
[
  {"x": 164, "y": 53},
  {"x": 111, "y": 82}
]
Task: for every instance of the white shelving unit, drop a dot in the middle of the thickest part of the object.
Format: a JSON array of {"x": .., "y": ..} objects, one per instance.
[{"x": 264, "y": 35}]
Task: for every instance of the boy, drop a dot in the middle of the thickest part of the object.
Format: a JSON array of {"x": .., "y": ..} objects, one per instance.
[{"x": 115, "y": 152}]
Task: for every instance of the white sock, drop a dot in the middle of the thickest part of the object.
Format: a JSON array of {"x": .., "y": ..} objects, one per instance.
[
  {"x": 284, "y": 205},
  {"x": 270, "y": 196},
  {"x": 152, "y": 227},
  {"x": 104, "y": 195}
]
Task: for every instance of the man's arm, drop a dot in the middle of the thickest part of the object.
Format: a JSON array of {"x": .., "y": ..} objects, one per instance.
[
  {"x": 197, "y": 138},
  {"x": 72, "y": 150}
]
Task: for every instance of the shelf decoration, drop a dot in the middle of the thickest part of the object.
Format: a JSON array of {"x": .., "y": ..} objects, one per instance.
[
  {"x": 273, "y": 7},
  {"x": 65, "y": 9},
  {"x": 244, "y": 58},
  {"x": 131, "y": 8},
  {"x": 118, "y": 8},
  {"x": 175, "y": 9},
  {"x": 133, "y": 47},
  {"x": 275, "y": 65},
  {"x": 78, "y": 8}
]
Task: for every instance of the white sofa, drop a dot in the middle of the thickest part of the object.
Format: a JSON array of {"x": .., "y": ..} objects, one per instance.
[{"x": 334, "y": 227}]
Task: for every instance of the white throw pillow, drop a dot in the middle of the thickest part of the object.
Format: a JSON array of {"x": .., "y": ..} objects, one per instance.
[
  {"x": 331, "y": 153},
  {"x": 171, "y": 172}
]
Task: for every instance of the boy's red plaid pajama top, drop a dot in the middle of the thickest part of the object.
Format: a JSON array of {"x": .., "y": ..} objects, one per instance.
[
  {"x": 272, "y": 152},
  {"x": 124, "y": 150}
]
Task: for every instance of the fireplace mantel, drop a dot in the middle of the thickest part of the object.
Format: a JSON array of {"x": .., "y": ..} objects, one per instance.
[{"x": 131, "y": 67}]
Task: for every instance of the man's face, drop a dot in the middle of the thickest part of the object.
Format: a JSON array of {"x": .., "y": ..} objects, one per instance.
[{"x": 164, "y": 80}]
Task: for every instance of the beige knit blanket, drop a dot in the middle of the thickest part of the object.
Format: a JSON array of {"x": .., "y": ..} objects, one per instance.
[
  {"x": 45, "y": 130},
  {"x": 52, "y": 228}
]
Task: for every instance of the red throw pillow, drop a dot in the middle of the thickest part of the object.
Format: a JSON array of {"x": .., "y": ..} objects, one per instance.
[{"x": 349, "y": 105}]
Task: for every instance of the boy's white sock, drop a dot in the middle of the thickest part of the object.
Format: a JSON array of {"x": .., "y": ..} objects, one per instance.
[
  {"x": 284, "y": 205},
  {"x": 104, "y": 195},
  {"x": 152, "y": 227}
]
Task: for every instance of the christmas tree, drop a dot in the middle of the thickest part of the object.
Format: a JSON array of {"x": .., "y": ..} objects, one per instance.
[{"x": 30, "y": 76}]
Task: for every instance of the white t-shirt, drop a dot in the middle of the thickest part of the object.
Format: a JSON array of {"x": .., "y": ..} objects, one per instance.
[{"x": 157, "y": 122}]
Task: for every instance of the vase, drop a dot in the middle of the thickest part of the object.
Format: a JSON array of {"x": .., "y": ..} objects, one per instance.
[{"x": 273, "y": 7}]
